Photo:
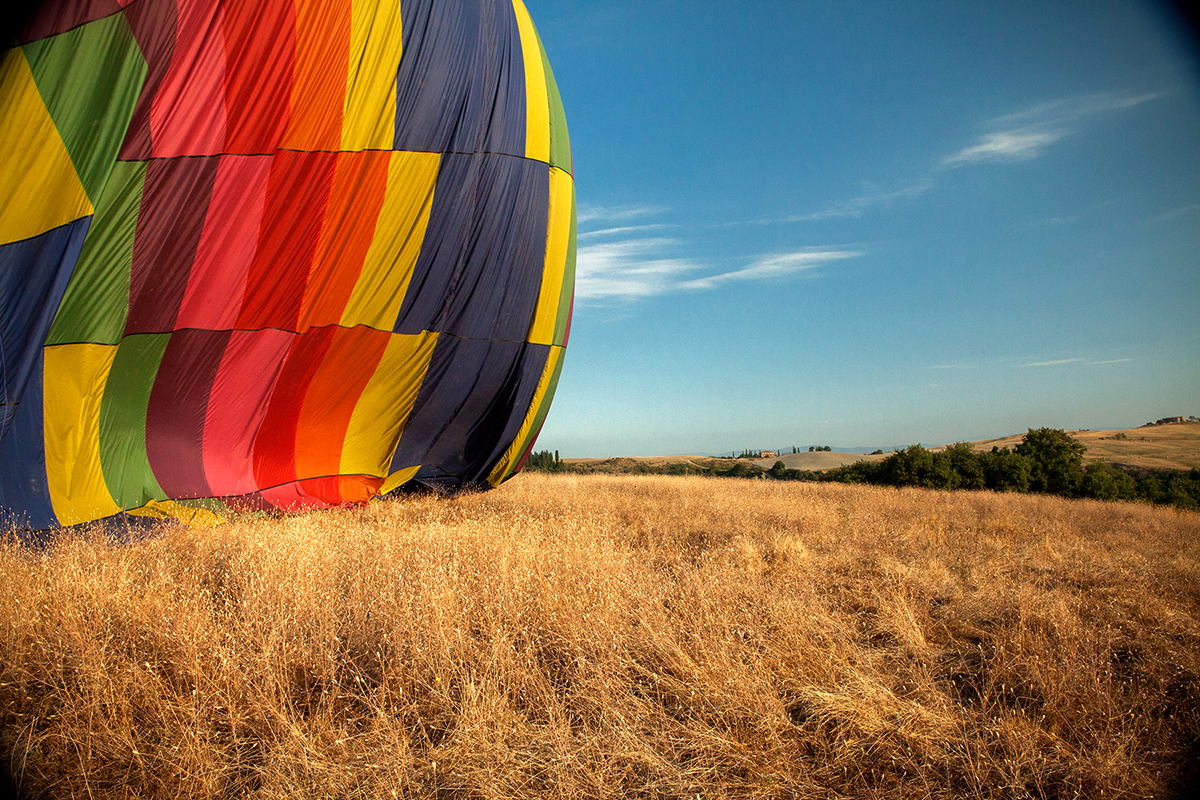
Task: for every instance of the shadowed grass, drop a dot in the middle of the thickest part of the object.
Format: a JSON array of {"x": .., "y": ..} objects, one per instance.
[{"x": 599, "y": 636}]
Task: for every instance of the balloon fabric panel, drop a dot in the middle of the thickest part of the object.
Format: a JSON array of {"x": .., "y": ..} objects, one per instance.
[
  {"x": 24, "y": 487},
  {"x": 479, "y": 269},
  {"x": 242, "y": 389},
  {"x": 178, "y": 405},
  {"x": 33, "y": 279},
  {"x": 355, "y": 199},
  {"x": 124, "y": 458},
  {"x": 227, "y": 244},
  {"x": 96, "y": 303},
  {"x": 276, "y": 254},
  {"x": 168, "y": 233},
  {"x": 473, "y": 400}
]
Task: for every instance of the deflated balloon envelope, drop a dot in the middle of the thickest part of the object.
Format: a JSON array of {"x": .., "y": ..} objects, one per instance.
[{"x": 275, "y": 254}]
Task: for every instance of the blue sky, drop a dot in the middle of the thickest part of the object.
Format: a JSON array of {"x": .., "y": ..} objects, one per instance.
[{"x": 869, "y": 224}]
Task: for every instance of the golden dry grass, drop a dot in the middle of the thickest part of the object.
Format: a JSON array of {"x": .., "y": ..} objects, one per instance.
[{"x": 600, "y": 636}]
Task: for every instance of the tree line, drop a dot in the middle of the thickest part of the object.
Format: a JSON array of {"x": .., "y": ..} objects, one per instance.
[{"x": 1047, "y": 461}]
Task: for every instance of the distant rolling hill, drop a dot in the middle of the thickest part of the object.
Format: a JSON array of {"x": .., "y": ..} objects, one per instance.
[{"x": 1170, "y": 446}]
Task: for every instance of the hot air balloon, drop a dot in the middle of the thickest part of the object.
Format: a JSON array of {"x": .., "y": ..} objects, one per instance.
[{"x": 275, "y": 254}]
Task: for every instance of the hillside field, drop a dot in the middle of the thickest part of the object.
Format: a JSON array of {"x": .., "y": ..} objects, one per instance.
[
  {"x": 1174, "y": 446},
  {"x": 606, "y": 636}
]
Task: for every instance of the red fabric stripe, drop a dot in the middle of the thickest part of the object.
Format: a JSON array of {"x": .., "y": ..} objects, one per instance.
[
  {"x": 227, "y": 245},
  {"x": 174, "y": 202},
  {"x": 238, "y": 405},
  {"x": 153, "y": 26},
  {"x": 297, "y": 194},
  {"x": 176, "y": 415},
  {"x": 260, "y": 51},
  {"x": 188, "y": 113},
  {"x": 275, "y": 445},
  {"x": 62, "y": 16},
  {"x": 304, "y": 495}
]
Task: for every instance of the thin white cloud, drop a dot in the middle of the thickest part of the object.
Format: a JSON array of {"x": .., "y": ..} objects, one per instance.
[
  {"x": 1014, "y": 145},
  {"x": 856, "y": 206},
  {"x": 632, "y": 269},
  {"x": 1190, "y": 210},
  {"x": 627, "y": 270},
  {"x": 1114, "y": 361},
  {"x": 588, "y": 213},
  {"x": 625, "y": 230},
  {"x": 1050, "y": 222},
  {"x": 1054, "y": 363},
  {"x": 772, "y": 266},
  {"x": 1069, "y": 109},
  {"x": 1026, "y": 134}
]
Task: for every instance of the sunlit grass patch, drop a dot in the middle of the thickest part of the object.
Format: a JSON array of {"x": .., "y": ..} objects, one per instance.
[{"x": 597, "y": 636}]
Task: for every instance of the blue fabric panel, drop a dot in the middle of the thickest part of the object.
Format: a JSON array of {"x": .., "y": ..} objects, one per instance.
[
  {"x": 471, "y": 405},
  {"x": 33, "y": 277},
  {"x": 461, "y": 83},
  {"x": 480, "y": 266},
  {"x": 24, "y": 490}
]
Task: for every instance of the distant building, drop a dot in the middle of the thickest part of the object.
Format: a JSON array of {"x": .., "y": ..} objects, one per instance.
[
  {"x": 1169, "y": 420},
  {"x": 768, "y": 454}
]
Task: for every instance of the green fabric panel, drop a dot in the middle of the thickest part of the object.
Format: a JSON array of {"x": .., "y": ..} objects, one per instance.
[
  {"x": 123, "y": 458},
  {"x": 89, "y": 79},
  {"x": 560, "y": 141},
  {"x": 96, "y": 302},
  {"x": 568, "y": 283}
]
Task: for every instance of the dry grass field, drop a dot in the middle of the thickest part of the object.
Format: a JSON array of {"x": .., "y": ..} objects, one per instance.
[{"x": 616, "y": 636}]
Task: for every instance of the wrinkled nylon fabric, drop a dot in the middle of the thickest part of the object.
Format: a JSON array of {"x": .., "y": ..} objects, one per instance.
[{"x": 275, "y": 254}]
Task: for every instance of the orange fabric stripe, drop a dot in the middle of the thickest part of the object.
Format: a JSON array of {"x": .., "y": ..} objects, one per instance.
[
  {"x": 347, "y": 367},
  {"x": 358, "y": 488},
  {"x": 355, "y": 199},
  {"x": 319, "y": 76}
]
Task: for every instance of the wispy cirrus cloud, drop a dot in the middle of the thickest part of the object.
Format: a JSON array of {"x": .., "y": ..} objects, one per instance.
[
  {"x": 1190, "y": 210},
  {"x": 623, "y": 230},
  {"x": 1025, "y": 134},
  {"x": 1009, "y": 363},
  {"x": 631, "y": 269},
  {"x": 1015, "y": 145},
  {"x": 1059, "y": 361},
  {"x": 628, "y": 269},
  {"x": 1054, "y": 363},
  {"x": 589, "y": 213},
  {"x": 872, "y": 197},
  {"x": 772, "y": 266}
]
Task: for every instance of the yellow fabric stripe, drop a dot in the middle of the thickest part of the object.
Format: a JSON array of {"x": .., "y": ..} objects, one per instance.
[
  {"x": 509, "y": 459},
  {"x": 558, "y": 240},
  {"x": 537, "y": 100},
  {"x": 398, "y": 479},
  {"x": 74, "y": 386},
  {"x": 39, "y": 188},
  {"x": 376, "y": 36},
  {"x": 385, "y": 404},
  {"x": 192, "y": 516},
  {"x": 399, "y": 231}
]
